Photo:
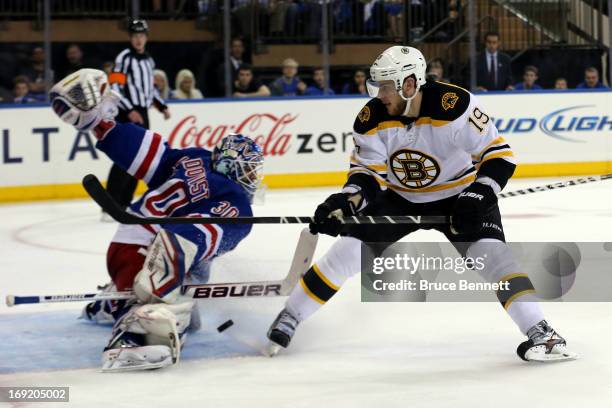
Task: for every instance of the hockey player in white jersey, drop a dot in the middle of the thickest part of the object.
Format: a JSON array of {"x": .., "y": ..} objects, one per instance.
[{"x": 422, "y": 148}]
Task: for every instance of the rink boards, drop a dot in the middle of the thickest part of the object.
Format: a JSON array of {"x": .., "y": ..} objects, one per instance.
[{"x": 307, "y": 141}]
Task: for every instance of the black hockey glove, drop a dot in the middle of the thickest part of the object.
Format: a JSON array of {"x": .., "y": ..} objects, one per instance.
[
  {"x": 344, "y": 204},
  {"x": 472, "y": 206}
]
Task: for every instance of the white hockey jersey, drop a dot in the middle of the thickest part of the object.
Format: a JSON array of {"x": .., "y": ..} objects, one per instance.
[{"x": 435, "y": 155}]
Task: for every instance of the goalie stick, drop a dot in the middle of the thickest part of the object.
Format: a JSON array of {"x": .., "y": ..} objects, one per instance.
[{"x": 302, "y": 259}]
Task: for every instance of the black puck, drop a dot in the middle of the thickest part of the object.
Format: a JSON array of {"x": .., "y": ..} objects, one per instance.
[{"x": 225, "y": 326}]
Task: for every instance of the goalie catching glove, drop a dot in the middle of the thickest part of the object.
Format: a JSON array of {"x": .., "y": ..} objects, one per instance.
[{"x": 84, "y": 98}]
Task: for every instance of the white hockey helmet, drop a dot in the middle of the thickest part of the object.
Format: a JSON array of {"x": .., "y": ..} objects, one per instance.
[{"x": 396, "y": 64}]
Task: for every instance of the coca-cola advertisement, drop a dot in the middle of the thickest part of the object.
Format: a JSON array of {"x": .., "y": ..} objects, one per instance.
[
  {"x": 309, "y": 136},
  {"x": 305, "y": 142},
  {"x": 267, "y": 129}
]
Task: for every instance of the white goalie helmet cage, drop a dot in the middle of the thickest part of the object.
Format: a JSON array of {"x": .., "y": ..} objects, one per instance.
[{"x": 396, "y": 64}]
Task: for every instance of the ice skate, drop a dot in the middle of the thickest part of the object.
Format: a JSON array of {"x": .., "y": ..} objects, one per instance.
[
  {"x": 281, "y": 331},
  {"x": 128, "y": 352},
  {"x": 544, "y": 345}
]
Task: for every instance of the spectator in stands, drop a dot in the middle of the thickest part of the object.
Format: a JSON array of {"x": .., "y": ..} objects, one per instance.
[
  {"x": 35, "y": 72},
  {"x": 170, "y": 7},
  {"x": 318, "y": 87},
  {"x": 214, "y": 79},
  {"x": 591, "y": 80},
  {"x": 289, "y": 84},
  {"x": 560, "y": 83},
  {"x": 21, "y": 90},
  {"x": 530, "y": 76},
  {"x": 311, "y": 12},
  {"x": 74, "y": 60},
  {"x": 283, "y": 17},
  {"x": 236, "y": 55},
  {"x": 108, "y": 67},
  {"x": 394, "y": 10},
  {"x": 493, "y": 70},
  {"x": 242, "y": 15},
  {"x": 6, "y": 96},
  {"x": 435, "y": 71},
  {"x": 357, "y": 85},
  {"x": 246, "y": 85},
  {"x": 185, "y": 86},
  {"x": 342, "y": 11},
  {"x": 454, "y": 24},
  {"x": 206, "y": 9},
  {"x": 160, "y": 80}
]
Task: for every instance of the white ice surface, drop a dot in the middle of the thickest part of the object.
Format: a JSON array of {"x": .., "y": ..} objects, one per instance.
[{"x": 349, "y": 354}]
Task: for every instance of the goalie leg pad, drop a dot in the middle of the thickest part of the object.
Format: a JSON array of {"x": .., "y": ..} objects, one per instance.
[
  {"x": 168, "y": 259},
  {"x": 148, "y": 336}
]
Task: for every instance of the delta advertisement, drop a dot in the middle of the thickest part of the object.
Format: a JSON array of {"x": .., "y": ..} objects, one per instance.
[{"x": 306, "y": 141}]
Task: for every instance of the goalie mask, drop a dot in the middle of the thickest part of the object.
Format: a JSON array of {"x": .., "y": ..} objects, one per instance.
[
  {"x": 396, "y": 64},
  {"x": 240, "y": 159}
]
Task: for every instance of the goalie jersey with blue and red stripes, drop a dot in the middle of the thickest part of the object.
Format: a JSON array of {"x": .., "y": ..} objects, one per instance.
[{"x": 181, "y": 183}]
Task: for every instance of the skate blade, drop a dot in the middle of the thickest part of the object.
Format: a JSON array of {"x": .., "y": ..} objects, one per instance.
[
  {"x": 272, "y": 349},
  {"x": 148, "y": 366},
  {"x": 135, "y": 359},
  {"x": 557, "y": 355}
]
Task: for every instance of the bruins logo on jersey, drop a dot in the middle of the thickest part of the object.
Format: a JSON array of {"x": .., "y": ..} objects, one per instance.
[
  {"x": 364, "y": 115},
  {"x": 449, "y": 100},
  {"x": 414, "y": 169}
]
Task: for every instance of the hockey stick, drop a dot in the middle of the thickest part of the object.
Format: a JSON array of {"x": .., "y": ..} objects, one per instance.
[
  {"x": 554, "y": 186},
  {"x": 302, "y": 259},
  {"x": 95, "y": 189}
]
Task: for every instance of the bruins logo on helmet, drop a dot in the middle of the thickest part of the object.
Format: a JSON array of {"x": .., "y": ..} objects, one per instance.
[
  {"x": 449, "y": 100},
  {"x": 414, "y": 169},
  {"x": 364, "y": 115}
]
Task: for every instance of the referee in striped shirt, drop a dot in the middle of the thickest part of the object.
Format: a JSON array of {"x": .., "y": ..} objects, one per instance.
[{"x": 132, "y": 77}]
